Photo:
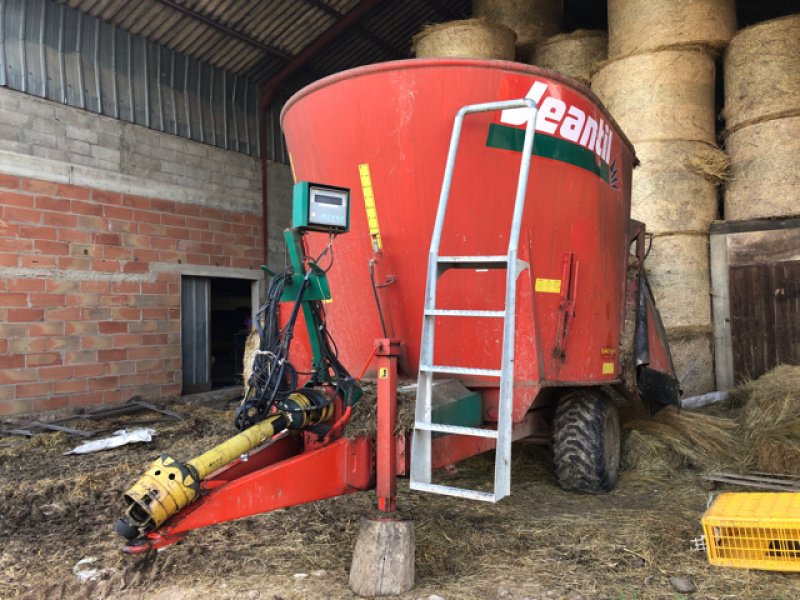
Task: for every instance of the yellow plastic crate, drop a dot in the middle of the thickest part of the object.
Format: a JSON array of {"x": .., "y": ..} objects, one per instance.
[{"x": 759, "y": 530}]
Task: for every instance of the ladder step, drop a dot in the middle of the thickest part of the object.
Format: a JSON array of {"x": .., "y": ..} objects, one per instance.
[
  {"x": 461, "y": 370},
  {"x": 457, "y": 430},
  {"x": 448, "y": 490},
  {"x": 441, "y": 312},
  {"x": 474, "y": 262}
]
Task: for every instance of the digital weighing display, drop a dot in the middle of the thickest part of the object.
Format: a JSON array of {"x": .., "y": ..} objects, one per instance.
[{"x": 321, "y": 208}]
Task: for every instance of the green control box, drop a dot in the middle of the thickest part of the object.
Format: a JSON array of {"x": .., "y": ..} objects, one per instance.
[{"x": 317, "y": 207}]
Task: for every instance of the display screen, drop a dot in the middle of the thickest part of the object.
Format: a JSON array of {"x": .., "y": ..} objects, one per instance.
[{"x": 333, "y": 200}]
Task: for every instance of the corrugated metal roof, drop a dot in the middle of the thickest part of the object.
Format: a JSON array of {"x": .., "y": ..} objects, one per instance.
[{"x": 258, "y": 37}]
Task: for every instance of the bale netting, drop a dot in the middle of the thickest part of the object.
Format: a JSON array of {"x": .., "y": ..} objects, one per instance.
[
  {"x": 693, "y": 358},
  {"x": 471, "y": 38},
  {"x": 674, "y": 187},
  {"x": 765, "y": 170},
  {"x": 678, "y": 271},
  {"x": 575, "y": 54},
  {"x": 667, "y": 95},
  {"x": 673, "y": 439},
  {"x": 637, "y": 26},
  {"x": 762, "y": 72},
  {"x": 531, "y": 20}
]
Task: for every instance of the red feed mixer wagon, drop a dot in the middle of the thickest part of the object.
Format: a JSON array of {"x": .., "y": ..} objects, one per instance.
[{"x": 490, "y": 250}]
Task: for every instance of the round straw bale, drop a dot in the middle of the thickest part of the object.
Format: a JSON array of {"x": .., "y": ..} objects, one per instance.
[
  {"x": 762, "y": 72},
  {"x": 667, "y": 95},
  {"x": 678, "y": 271},
  {"x": 575, "y": 54},
  {"x": 765, "y": 170},
  {"x": 471, "y": 38},
  {"x": 675, "y": 185},
  {"x": 693, "y": 358},
  {"x": 640, "y": 25},
  {"x": 531, "y": 20}
]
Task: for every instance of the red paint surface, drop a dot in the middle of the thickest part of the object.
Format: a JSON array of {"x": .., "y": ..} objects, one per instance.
[{"x": 398, "y": 117}]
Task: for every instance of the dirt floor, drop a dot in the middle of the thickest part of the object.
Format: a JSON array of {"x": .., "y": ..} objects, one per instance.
[{"x": 539, "y": 543}]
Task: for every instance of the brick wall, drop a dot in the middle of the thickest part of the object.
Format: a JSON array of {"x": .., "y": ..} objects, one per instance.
[{"x": 90, "y": 289}]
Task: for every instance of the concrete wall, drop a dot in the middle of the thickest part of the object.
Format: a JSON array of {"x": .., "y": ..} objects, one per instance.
[{"x": 98, "y": 221}]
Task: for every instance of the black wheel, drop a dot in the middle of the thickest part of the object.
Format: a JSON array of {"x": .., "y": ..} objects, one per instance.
[{"x": 585, "y": 444}]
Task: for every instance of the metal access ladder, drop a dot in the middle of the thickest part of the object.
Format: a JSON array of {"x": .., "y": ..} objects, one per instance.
[{"x": 423, "y": 426}]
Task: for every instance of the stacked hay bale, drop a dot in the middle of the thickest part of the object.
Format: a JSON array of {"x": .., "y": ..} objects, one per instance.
[
  {"x": 659, "y": 84},
  {"x": 531, "y": 20},
  {"x": 470, "y": 38},
  {"x": 575, "y": 54},
  {"x": 762, "y": 114}
]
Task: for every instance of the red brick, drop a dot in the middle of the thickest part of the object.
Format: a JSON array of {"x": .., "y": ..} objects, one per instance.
[
  {"x": 3, "y": 346},
  {"x": 162, "y": 205},
  {"x": 17, "y": 375},
  {"x": 198, "y": 259},
  {"x": 91, "y": 222},
  {"x": 22, "y": 215},
  {"x": 83, "y": 328},
  {"x": 10, "y": 199},
  {"x": 123, "y": 226},
  {"x": 9, "y": 182},
  {"x": 71, "y": 313},
  {"x": 96, "y": 314},
  {"x": 10, "y": 230},
  {"x": 178, "y": 233},
  {"x": 136, "y": 201},
  {"x": 116, "y": 396},
  {"x": 74, "y": 264},
  {"x": 116, "y": 253},
  {"x": 48, "y": 247},
  {"x": 146, "y": 216},
  {"x": 174, "y": 220},
  {"x": 144, "y": 352},
  {"x": 52, "y": 373},
  {"x": 169, "y": 256},
  {"x": 127, "y": 313},
  {"x": 123, "y": 367},
  {"x": 127, "y": 340},
  {"x": 114, "y": 355},
  {"x": 108, "y": 266},
  {"x": 15, "y": 245},
  {"x": 50, "y": 403},
  {"x": 37, "y": 262},
  {"x": 85, "y": 399},
  {"x": 13, "y": 299},
  {"x": 103, "y": 383},
  {"x": 224, "y": 261},
  {"x": 106, "y": 197},
  {"x": 159, "y": 339},
  {"x": 148, "y": 365},
  {"x": 154, "y": 313},
  {"x": 117, "y": 212},
  {"x": 47, "y": 299},
  {"x": 136, "y": 267},
  {"x": 47, "y": 359},
  {"x": 113, "y": 327},
  {"x": 134, "y": 380},
  {"x": 73, "y": 235},
  {"x": 89, "y": 370},
  {"x": 159, "y": 287},
  {"x": 29, "y": 390},
  {"x": 50, "y": 203},
  {"x": 108, "y": 239},
  {"x": 9, "y": 260},
  {"x": 12, "y": 361},
  {"x": 126, "y": 287},
  {"x": 22, "y": 315},
  {"x": 33, "y": 232},
  {"x": 71, "y": 191},
  {"x": 213, "y": 213},
  {"x": 46, "y": 328},
  {"x": 62, "y": 286},
  {"x": 62, "y": 342},
  {"x": 113, "y": 300},
  {"x": 79, "y": 207},
  {"x": 59, "y": 219},
  {"x": 80, "y": 357},
  {"x": 70, "y": 386},
  {"x": 38, "y": 186},
  {"x": 195, "y": 223}
]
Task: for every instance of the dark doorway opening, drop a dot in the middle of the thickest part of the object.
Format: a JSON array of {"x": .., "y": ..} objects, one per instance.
[{"x": 230, "y": 323}]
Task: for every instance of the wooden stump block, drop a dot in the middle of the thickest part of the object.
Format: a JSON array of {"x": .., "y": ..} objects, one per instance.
[{"x": 383, "y": 559}]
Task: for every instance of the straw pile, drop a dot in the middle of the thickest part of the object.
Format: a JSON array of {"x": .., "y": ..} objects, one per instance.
[
  {"x": 674, "y": 439},
  {"x": 575, "y": 54},
  {"x": 677, "y": 268},
  {"x": 667, "y": 95},
  {"x": 762, "y": 73},
  {"x": 531, "y": 20},
  {"x": 765, "y": 170},
  {"x": 250, "y": 347},
  {"x": 471, "y": 38},
  {"x": 675, "y": 185},
  {"x": 641, "y": 25}
]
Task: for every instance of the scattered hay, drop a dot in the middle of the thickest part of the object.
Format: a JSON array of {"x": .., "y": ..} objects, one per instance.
[
  {"x": 666, "y": 95},
  {"x": 470, "y": 38},
  {"x": 762, "y": 72},
  {"x": 681, "y": 438},
  {"x": 250, "y": 347},
  {"x": 777, "y": 450},
  {"x": 765, "y": 170},
  {"x": 712, "y": 163},
  {"x": 645, "y": 453},
  {"x": 641, "y": 25},
  {"x": 364, "y": 420},
  {"x": 773, "y": 400}
]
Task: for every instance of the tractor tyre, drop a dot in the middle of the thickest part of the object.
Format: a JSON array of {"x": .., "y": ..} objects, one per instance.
[{"x": 586, "y": 442}]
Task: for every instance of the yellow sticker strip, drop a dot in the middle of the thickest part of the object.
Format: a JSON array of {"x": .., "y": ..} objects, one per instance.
[
  {"x": 608, "y": 368},
  {"x": 369, "y": 205},
  {"x": 548, "y": 286}
]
